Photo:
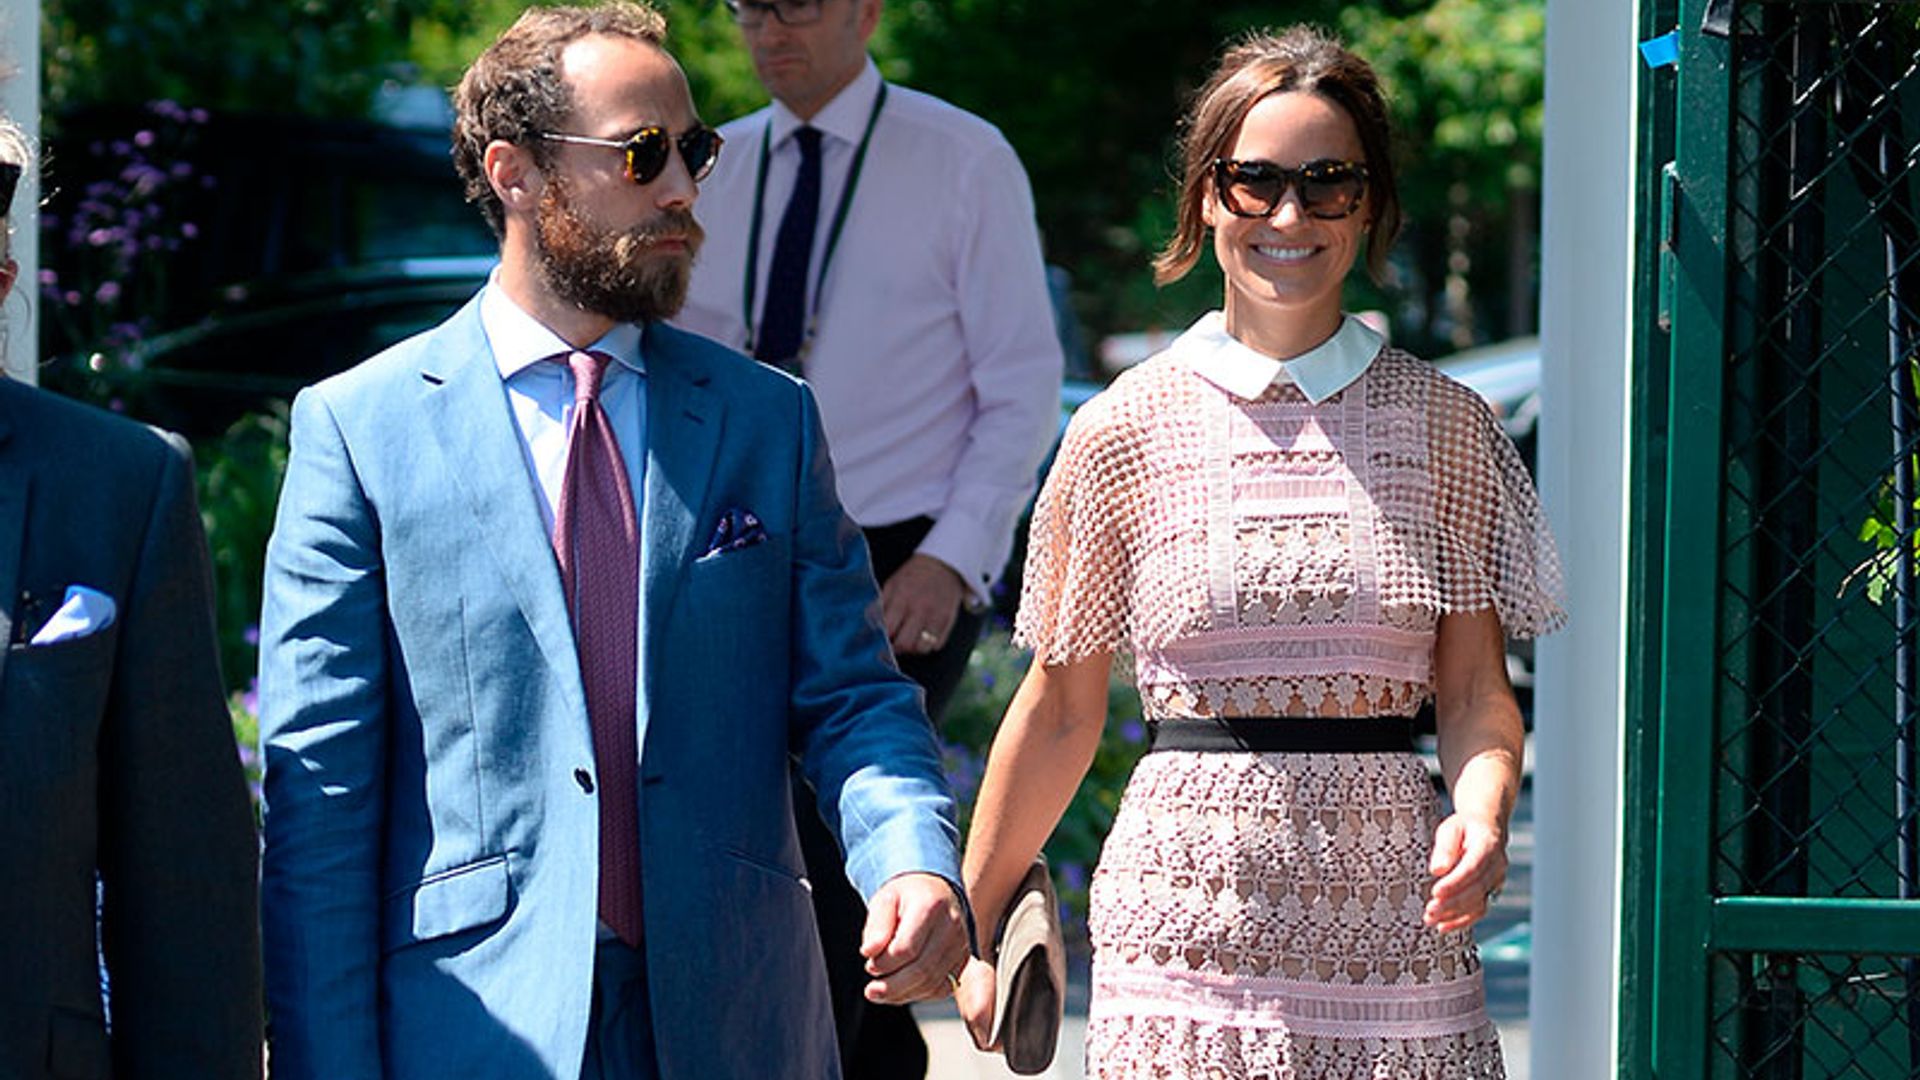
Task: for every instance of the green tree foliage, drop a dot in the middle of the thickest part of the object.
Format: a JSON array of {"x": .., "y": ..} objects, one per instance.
[
  {"x": 314, "y": 57},
  {"x": 1091, "y": 93},
  {"x": 699, "y": 33},
  {"x": 1466, "y": 81}
]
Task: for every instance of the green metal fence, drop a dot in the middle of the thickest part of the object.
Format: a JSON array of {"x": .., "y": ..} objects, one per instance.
[{"x": 1780, "y": 900}]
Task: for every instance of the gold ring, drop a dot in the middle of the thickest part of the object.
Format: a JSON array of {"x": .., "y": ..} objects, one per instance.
[{"x": 954, "y": 982}]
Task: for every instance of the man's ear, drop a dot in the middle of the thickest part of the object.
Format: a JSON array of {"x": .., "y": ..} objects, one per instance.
[
  {"x": 515, "y": 179},
  {"x": 9, "y": 271}
]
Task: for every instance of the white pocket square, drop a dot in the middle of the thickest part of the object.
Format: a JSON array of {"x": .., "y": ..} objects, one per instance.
[{"x": 85, "y": 611}]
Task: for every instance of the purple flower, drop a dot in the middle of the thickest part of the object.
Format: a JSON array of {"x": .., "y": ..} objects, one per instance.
[
  {"x": 251, "y": 635},
  {"x": 189, "y": 230},
  {"x": 1074, "y": 875},
  {"x": 108, "y": 292},
  {"x": 964, "y": 769},
  {"x": 72, "y": 298},
  {"x": 143, "y": 138},
  {"x": 49, "y": 276},
  {"x": 102, "y": 237},
  {"x": 1132, "y": 733}
]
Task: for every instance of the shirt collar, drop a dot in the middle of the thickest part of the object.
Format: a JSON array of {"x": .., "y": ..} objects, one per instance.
[
  {"x": 519, "y": 340},
  {"x": 844, "y": 117},
  {"x": 1320, "y": 372}
]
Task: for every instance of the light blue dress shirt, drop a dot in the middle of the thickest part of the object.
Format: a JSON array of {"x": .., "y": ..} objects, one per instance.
[{"x": 541, "y": 394}]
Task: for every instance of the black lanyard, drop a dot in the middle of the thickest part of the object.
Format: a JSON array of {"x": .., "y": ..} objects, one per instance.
[{"x": 833, "y": 230}]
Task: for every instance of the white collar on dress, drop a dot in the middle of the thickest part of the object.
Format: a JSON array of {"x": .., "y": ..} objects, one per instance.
[
  {"x": 844, "y": 117},
  {"x": 1320, "y": 372},
  {"x": 519, "y": 340}
]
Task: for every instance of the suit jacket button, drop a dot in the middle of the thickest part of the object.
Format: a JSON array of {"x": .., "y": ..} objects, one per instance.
[{"x": 584, "y": 779}]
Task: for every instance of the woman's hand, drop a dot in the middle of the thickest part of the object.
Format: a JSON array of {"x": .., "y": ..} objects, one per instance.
[
  {"x": 1470, "y": 862},
  {"x": 975, "y": 999},
  {"x": 1039, "y": 756},
  {"x": 1482, "y": 744}
]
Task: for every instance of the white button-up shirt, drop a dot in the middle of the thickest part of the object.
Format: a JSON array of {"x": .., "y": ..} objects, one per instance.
[{"x": 935, "y": 361}]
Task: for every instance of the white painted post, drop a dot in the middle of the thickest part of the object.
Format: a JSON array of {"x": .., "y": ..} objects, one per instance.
[
  {"x": 20, "y": 99},
  {"x": 1587, "y": 277}
]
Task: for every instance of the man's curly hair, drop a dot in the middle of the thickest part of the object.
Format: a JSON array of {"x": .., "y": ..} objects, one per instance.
[{"x": 514, "y": 91}]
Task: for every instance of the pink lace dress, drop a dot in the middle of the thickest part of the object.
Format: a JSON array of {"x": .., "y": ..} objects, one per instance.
[{"x": 1258, "y": 914}]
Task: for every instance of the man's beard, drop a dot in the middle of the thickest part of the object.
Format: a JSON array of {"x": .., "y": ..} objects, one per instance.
[{"x": 614, "y": 272}]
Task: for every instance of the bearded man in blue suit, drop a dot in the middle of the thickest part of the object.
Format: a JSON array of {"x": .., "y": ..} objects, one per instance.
[{"x": 554, "y": 593}]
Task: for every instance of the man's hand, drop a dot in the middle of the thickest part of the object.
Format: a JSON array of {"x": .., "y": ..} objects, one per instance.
[
  {"x": 916, "y": 938},
  {"x": 920, "y": 604},
  {"x": 1470, "y": 861}
]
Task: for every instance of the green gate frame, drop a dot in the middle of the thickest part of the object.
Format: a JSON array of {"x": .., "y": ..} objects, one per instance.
[{"x": 1673, "y": 923}]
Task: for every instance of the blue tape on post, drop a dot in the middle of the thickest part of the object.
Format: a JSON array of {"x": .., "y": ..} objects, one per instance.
[{"x": 1663, "y": 51}]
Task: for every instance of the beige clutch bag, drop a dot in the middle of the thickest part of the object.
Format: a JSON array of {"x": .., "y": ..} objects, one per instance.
[{"x": 1030, "y": 992}]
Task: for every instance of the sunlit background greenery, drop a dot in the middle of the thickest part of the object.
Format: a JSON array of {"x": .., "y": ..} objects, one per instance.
[{"x": 1088, "y": 91}]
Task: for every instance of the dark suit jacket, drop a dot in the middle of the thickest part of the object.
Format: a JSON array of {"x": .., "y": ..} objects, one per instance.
[{"x": 116, "y": 757}]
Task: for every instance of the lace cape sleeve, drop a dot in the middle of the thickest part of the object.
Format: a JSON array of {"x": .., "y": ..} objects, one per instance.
[
  {"x": 1495, "y": 547},
  {"x": 1078, "y": 580}
]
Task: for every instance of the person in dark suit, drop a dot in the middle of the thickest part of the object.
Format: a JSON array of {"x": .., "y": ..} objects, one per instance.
[
  {"x": 119, "y": 782},
  {"x": 554, "y": 593}
]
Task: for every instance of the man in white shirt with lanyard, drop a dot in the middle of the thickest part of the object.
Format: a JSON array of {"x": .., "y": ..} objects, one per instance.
[{"x": 882, "y": 243}]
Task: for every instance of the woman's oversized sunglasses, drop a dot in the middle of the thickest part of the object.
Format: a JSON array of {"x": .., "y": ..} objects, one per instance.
[
  {"x": 1328, "y": 189},
  {"x": 647, "y": 150}
]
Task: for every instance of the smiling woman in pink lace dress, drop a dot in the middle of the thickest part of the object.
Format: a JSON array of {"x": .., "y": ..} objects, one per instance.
[{"x": 1299, "y": 535}]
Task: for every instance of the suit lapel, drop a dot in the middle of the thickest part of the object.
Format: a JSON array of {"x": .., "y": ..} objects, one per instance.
[
  {"x": 466, "y": 406},
  {"x": 684, "y": 422},
  {"x": 13, "y": 527}
]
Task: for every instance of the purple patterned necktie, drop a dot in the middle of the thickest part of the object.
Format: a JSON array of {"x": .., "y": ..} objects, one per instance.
[{"x": 596, "y": 538}]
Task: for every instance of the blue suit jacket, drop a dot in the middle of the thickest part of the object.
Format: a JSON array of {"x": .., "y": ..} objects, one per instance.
[{"x": 431, "y": 839}]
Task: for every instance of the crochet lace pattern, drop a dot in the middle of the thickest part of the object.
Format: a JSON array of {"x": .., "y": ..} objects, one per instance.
[{"x": 1258, "y": 915}]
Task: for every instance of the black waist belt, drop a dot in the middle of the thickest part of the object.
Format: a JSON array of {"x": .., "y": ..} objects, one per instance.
[{"x": 1284, "y": 735}]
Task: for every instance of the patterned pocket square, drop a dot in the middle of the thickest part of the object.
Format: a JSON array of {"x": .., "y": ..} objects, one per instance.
[{"x": 738, "y": 528}]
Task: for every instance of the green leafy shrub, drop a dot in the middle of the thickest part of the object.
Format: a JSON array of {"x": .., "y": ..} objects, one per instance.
[
  {"x": 978, "y": 705},
  {"x": 239, "y": 482}
]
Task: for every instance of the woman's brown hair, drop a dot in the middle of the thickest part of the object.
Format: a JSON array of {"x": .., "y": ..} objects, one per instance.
[{"x": 1300, "y": 59}]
